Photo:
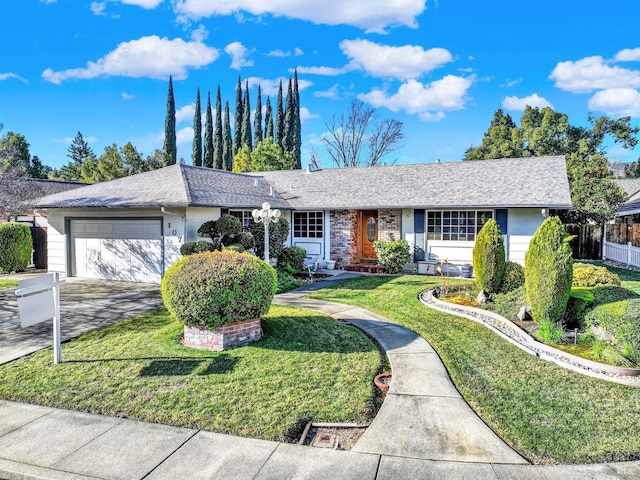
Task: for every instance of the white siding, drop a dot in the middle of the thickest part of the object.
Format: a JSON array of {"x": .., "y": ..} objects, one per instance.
[
  {"x": 56, "y": 244},
  {"x": 522, "y": 223},
  {"x": 196, "y": 216}
]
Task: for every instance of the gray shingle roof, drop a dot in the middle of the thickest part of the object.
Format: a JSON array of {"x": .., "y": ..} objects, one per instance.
[
  {"x": 522, "y": 182},
  {"x": 631, "y": 186}
]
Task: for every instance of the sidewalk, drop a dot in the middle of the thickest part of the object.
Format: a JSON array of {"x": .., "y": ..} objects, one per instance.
[{"x": 423, "y": 430}]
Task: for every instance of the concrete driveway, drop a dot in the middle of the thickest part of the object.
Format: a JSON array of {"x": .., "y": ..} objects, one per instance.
[{"x": 86, "y": 304}]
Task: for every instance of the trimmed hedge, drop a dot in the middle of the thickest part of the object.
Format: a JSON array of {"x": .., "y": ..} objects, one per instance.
[
  {"x": 392, "y": 255},
  {"x": 549, "y": 272},
  {"x": 293, "y": 256},
  {"x": 512, "y": 278},
  {"x": 587, "y": 275},
  {"x": 489, "y": 257},
  {"x": 217, "y": 288},
  {"x": 16, "y": 246}
]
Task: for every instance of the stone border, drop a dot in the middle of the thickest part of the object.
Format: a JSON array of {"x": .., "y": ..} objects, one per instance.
[{"x": 518, "y": 337}]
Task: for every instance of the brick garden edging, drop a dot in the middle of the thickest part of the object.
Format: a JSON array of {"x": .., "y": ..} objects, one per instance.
[
  {"x": 225, "y": 337},
  {"x": 518, "y": 337}
]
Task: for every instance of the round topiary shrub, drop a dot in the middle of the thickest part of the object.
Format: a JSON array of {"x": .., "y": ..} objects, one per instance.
[
  {"x": 392, "y": 255},
  {"x": 16, "y": 246},
  {"x": 512, "y": 278},
  {"x": 215, "y": 288},
  {"x": 489, "y": 257},
  {"x": 293, "y": 256}
]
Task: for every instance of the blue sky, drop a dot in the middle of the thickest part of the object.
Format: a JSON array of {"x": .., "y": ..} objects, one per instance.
[{"x": 441, "y": 67}]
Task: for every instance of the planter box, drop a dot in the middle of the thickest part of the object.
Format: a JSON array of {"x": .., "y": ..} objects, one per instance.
[{"x": 229, "y": 336}]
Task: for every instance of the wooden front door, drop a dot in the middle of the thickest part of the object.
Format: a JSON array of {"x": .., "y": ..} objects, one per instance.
[{"x": 367, "y": 234}]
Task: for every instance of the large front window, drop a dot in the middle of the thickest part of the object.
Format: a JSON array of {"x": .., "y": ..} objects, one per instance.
[
  {"x": 307, "y": 224},
  {"x": 244, "y": 216},
  {"x": 456, "y": 225}
]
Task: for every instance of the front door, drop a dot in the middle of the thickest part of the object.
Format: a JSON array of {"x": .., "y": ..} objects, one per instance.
[{"x": 368, "y": 233}]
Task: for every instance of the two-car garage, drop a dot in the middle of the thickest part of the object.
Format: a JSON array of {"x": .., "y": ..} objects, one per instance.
[{"x": 117, "y": 249}]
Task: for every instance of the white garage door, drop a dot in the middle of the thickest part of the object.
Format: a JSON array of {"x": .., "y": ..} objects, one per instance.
[{"x": 129, "y": 250}]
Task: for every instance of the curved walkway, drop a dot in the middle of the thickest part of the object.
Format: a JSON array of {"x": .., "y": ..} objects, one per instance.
[{"x": 423, "y": 430}]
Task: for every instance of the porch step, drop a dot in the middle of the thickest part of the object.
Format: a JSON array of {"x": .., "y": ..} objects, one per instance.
[{"x": 359, "y": 267}]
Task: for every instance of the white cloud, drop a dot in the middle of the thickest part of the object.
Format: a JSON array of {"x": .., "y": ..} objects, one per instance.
[
  {"x": 330, "y": 93},
  {"x": 270, "y": 87},
  {"x": 327, "y": 71},
  {"x": 278, "y": 53},
  {"x": 8, "y": 75},
  {"x": 533, "y": 100},
  {"x": 152, "y": 57},
  {"x": 238, "y": 53},
  {"x": 98, "y": 8},
  {"x": 127, "y": 96},
  {"x": 48, "y": 2},
  {"x": 305, "y": 114},
  {"x": 510, "y": 82},
  {"x": 186, "y": 112},
  {"x": 146, "y": 4},
  {"x": 200, "y": 34},
  {"x": 184, "y": 135},
  {"x": 593, "y": 73},
  {"x": 403, "y": 63},
  {"x": 370, "y": 15},
  {"x": 628, "y": 55},
  {"x": 427, "y": 101},
  {"x": 298, "y": 52},
  {"x": 617, "y": 101}
]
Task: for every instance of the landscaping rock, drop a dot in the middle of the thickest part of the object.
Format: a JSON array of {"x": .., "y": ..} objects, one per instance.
[
  {"x": 525, "y": 314},
  {"x": 482, "y": 298}
]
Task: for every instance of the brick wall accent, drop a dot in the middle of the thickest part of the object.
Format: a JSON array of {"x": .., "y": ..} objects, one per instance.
[
  {"x": 340, "y": 238},
  {"x": 353, "y": 245},
  {"x": 389, "y": 225},
  {"x": 223, "y": 338}
]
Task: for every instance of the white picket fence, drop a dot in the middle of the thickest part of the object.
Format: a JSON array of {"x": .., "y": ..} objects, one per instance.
[{"x": 627, "y": 254}]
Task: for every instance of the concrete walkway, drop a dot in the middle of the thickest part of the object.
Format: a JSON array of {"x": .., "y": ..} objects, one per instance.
[{"x": 424, "y": 430}]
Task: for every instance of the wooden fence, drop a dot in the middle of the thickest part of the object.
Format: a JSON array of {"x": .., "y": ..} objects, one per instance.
[{"x": 587, "y": 244}]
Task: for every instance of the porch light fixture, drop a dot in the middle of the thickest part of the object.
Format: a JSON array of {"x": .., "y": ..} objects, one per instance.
[{"x": 265, "y": 215}]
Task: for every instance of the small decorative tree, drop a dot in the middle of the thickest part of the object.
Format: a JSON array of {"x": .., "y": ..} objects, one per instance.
[
  {"x": 392, "y": 255},
  {"x": 16, "y": 245},
  {"x": 548, "y": 274},
  {"x": 278, "y": 233},
  {"x": 489, "y": 257},
  {"x": 224, "y": 232}
]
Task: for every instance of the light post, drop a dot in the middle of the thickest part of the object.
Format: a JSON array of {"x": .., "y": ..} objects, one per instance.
[{"x": 266, "y": 216}]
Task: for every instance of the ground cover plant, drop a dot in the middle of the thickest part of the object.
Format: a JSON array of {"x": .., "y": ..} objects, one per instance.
[
  {"x": 306, "y": 367},
  {"x": 545, "y": 412},
  {"x": 4, "y": 283}
]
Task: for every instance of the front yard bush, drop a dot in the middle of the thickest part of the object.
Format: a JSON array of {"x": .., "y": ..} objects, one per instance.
[
  {"x": 225, "y": 232},
  {"x": 512, "y": 278},
  {"x": 293, "y": 256},
  {"x": 489, "y": 257},
  {"x": 392, "y": 255},
  {"x": 588, "y": 275},
  {"x": 216, "y": 288},
  {"x": 549, "y": 273},
  {"x": 278, "y": 233},
  {"x": 16, "y": 245}
]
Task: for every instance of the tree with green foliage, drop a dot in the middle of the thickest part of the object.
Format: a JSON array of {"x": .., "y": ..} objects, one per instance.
[
  {"x": 268, "y": 121},
  {"x": 594, "y": 192},
  {"x": 279, "y": 125},
  {"x": 78, "y": 152},
  {"x": 289, "y": 121},
  {"x": 37, "y": 169},
  {"x": 170, "y": 146},
  {"x": 267, "y": 156},
  {"x": 257, "y": 119},
  {"x": 217, "y": 135},
  {"x": 278, "y": 233},
  {"x": 109, "y": 166},
  {"x": 155, "y": 160},
  {"x": 227, "y": 148},
  {"x": 208, "y": 135},
  {"x": 489, "y": 257},
  {"x": 549, "y": 272},
  {"x": 14, "y": 152},
  {"x": 16, "y": 245},
  {"x": 238, "y": 115},
  {"x": 297, "y": 130},
  {"x": 246, "y": 119},
  {"x": 133, "y": 162},
  {"x": 196, "y": 154}
]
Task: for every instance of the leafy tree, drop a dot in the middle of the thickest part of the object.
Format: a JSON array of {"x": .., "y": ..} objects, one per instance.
[
  {"x": 489, "y": 257},
  {"x": 155, "y": 160},
  {"x": 208, "y": 136},
  {"x": 279, "y": 125},
  {"x": 502, "y": 140},
  {"x": 170, "y": 147},
  {"x": 217, "y": 134},
  {"x": 266, "y": 156},
  {"x": 14, "y": 152},
  {"x": 242, "y": 160},
  {"x": 594, "y": 193},
  {"x": 257, "y": 119},
  {"x": 246, "y": 119},
  {"x": 268, "y": 121},
  {"x": 109, "y": 166},
  {"x": 37, "y": 169},
  {"x": 278, "y": 233},
  {"x": 227, "y": 149},
  {"x": 196, "y": 155},
  {"x": 132, "y": 160},
  {"x": 78, "y": 152},
  {"x": 297, "y": 132},
  {"x": 346, "y": 137},
  {"x": 237, "y": 127},
  {"x": 289, "y": 121}
]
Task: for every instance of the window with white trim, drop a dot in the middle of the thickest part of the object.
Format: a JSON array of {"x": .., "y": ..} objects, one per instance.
[
  {"x": 456, "y": 225},
  {"x": 244, "y": 216},
  {"x": 307, "y": 224}
]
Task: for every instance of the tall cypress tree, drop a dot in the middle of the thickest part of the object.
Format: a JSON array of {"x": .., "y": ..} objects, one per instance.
[
  {"x": 217, "y": 134},
  {"x": 297, "y": 132},
  {"x": 289, "y": 122},
  {"x": 196, "y": 155},
  {"x": 227, "y": 146},
  {"x": 170, "y": 148},
  {"x": 246, "y": 119},
  {"x": 257, "y": 119},
  {"x": 237, "y": 127},
  {"x": 208, "y": 135},
  {"x": 279, "y": 126},
  {"x": 268, "y": 121}
]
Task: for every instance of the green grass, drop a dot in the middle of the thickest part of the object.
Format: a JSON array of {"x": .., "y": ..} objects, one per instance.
[
  {"x": 306, "y": 367},
  {"x": 547, "y": 413},
  {"x": 8, "y": 283}
]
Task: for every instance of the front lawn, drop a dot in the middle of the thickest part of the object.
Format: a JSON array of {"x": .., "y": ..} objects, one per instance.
[
  {"x": 306, "y": 367},
  {"x": 4, "y": 283},
  {"x": 545, "y": 412}
]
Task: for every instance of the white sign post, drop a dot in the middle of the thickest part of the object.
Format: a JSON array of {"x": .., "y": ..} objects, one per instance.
[{"x": 38, "y": 301}]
